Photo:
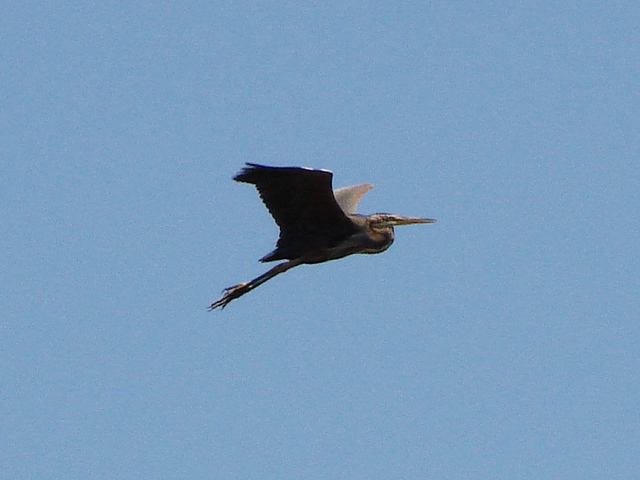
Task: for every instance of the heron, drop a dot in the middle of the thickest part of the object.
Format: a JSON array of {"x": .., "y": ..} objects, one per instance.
[{"x": 317, "y": 223}]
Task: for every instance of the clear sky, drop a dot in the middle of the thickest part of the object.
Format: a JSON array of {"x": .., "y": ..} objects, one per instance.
[{"x": 501, "y": 342}]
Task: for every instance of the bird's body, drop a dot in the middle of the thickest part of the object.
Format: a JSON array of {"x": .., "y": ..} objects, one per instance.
[
  {"x": 370, "y": 237},
  {"x": 316, "y": 223}
]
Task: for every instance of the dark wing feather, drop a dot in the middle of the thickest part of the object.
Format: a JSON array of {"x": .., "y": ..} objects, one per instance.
[{"x": 301, "y": 202}]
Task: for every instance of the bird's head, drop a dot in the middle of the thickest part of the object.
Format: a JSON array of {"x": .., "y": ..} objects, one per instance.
[{"x": 382, "y": 220}]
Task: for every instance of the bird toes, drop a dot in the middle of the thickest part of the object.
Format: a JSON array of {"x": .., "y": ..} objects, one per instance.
[{"x": 229, "y": 294}]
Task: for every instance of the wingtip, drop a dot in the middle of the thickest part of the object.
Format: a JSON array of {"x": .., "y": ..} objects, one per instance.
[{"x": 349, "y": 197}]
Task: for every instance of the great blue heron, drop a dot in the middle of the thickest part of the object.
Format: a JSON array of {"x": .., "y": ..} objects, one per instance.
[{"x": 317, "y": 224}]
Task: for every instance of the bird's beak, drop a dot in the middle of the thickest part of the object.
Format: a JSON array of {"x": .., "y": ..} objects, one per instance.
[{"x": 397, "y": 220}]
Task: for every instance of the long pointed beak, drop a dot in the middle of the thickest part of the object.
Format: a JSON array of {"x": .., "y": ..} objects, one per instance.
[{"x": 397, "y": 220}]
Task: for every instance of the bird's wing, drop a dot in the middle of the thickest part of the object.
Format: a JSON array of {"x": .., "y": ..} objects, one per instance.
[
  {"x": 348, "y": 197},
  {"x": 302, "y": 203}
]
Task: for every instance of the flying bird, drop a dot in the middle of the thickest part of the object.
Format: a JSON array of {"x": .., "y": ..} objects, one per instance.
[{"x": 317, "y": 224}]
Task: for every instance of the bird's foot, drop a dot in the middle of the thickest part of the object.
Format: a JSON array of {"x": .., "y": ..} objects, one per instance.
[{"x": 229, "y": 294}]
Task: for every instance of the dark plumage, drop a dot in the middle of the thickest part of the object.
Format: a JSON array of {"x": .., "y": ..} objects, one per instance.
[
  {"x": 316, "y": 223},
  {"x": 301, "y": 202}
]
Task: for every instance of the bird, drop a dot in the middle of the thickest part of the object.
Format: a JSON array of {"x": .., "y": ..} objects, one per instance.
[{"x": 316, "y": 223}]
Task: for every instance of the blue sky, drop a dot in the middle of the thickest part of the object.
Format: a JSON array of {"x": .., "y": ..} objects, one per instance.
[{"x": 501, "y": 342}]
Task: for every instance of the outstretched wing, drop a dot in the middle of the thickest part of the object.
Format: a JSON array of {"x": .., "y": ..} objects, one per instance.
[
  {"x": 348, "y": 197},
  {"x": 302, "y": 203}
]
